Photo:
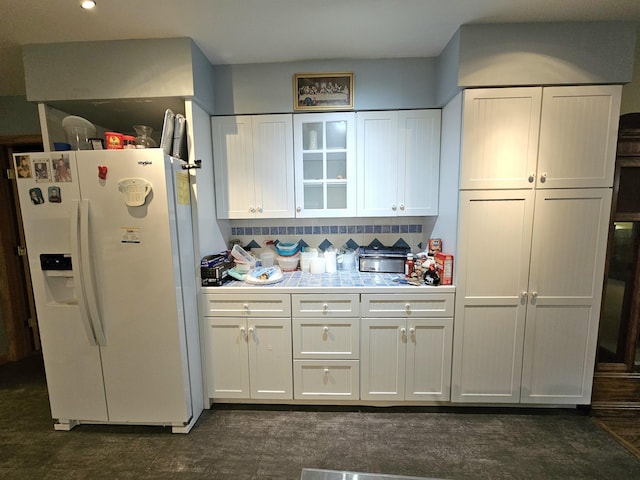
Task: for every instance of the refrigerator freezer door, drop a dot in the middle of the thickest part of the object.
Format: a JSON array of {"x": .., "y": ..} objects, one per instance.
[
  {"x": 137, "y": 278},
  {"x": 72, "y": 363}
]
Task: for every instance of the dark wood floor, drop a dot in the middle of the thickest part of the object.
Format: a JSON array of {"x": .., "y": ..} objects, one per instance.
[{"x": 624, "y": 428}]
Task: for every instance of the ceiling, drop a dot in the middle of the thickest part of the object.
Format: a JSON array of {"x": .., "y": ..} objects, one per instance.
[{"x": 263, "y": 31}]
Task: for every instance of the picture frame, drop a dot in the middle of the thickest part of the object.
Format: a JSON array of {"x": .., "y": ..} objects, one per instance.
[
  {"x": 97, "y": 143},
  {"x": 322, "y": 91}
]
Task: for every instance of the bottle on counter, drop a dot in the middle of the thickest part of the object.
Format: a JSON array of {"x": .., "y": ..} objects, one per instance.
[{"x": 409, "y": 266}]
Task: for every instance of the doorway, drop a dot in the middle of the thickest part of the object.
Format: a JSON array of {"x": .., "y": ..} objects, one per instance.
[
  {"x": 616, "y": 384},
  {"x": 18, "y": 324}
]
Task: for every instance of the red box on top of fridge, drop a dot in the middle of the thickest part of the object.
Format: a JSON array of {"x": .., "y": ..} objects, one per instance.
[{"x": 444, "y": 266}]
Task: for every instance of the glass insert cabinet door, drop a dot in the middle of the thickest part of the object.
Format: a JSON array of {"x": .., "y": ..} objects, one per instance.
[{"x": 325, "y": 164}]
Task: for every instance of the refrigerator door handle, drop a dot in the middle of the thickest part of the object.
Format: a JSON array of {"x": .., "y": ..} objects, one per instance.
[
  {"x": 77, "y": 273},
  {"x": 88, "y": 276}
]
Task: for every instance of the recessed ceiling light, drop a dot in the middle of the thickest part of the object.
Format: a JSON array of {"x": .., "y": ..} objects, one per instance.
[{"x": 87, "y": 4}]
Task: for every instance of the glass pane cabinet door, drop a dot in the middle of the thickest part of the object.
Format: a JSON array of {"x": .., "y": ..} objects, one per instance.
[{"x": 325, "y": 164}]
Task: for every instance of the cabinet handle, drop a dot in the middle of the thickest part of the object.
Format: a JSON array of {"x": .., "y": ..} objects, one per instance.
[
  {"x": 252, "y": 331},
  {"x": 394, "y": 208},
  {"x": 407, "y": 308},
  {"x": 298, "y": 209},
  {"x": 260, "y": 210},
  {"x": 403, "y": 331},
  {"x": 402, "y": 206},
  {"x": 325, "y": 308},
  {"x": 326, "y": 371},
  {"x": 524, "y": 296},
  {"x": 243, "y": 332},
  {"x": 543, "y": 177},
  {"x": 532, "y": 177},
  {"x": 534, "y": 297},
  {"x": 412, "y": 331},
  {"x": 252, "y": 210},
  {"x": 325, "y": 329}
]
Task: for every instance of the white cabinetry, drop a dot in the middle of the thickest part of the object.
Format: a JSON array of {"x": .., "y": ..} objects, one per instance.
[
  {"x": 326, "y": 346},
  {"x": 552, "y": 137},
  {"x": 253, "y": 164},
  {"x": 530, "y": 257},
  {"x": 325, "y": 164},
  {"x": 398, "y": 157},
  {"x": 406, "y": 347},
  {"x": 248, "y": 346}
]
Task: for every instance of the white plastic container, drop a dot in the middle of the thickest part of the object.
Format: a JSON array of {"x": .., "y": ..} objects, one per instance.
[
  {"x": 305, "y": 258},
  {"x": 316, "y": 266},
  {"x": 330, "y": 262},
  {"x": 288, "y": 264},
  {"x": 267, "y": 258}
]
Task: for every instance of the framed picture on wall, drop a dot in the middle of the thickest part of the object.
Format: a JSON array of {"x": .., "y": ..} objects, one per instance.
[{"x": 322, "y": 91}]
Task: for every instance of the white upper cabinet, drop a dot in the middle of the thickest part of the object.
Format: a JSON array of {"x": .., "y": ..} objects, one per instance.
[
  {"x": 555, "y": 137},
  {"x": 325, "y": 165},
  {"x": 398, "y": 162},
  {"x": 500, "y": 138},
  {"x": 253, "y": 164},
  {"x": 578, "y": 136}
]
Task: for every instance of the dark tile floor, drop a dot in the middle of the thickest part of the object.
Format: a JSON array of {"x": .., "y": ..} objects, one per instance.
[{"x": 243, "y": 444}]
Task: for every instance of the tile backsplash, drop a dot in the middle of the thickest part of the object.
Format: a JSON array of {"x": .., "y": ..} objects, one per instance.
[{"x": 320, "y": 233}]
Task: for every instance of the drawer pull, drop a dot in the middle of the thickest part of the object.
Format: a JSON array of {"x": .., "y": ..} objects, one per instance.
[
  {"x": 407, "y": 307},
  {"x": 325, "y": 308},
  {"x": 325, "y": 329},
  {"x": 326, "y": 371}
]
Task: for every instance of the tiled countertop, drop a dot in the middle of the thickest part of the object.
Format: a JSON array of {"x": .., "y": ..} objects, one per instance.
[{"x": 341, "y": 281}]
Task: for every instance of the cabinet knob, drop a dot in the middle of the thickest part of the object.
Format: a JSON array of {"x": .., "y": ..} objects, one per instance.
[
  {"x": 243, "y": 331},
  {"x": 534, "y": 297},
  {"x": 543, "y": 177},
  {"x": 532, "y": 177},
  {"x": 412, "y": 331},
  {"x": 251, "y": 331},
  {"x": 394, "y": 208},
  {"x": 407, "y": 307},
  {"x": 325, "y": 329},
  {"x": 325, "y": 308},
  {"x": 524, "y": 296},
  {"x": 260, "y": 210},
  {"x": 252, "y": 210},
  {"x": 326, "y": 371},
  {"x": 298, "y": 209},
  {"x": 402, "y": 206},
  {"x": 403, "y": 331}
]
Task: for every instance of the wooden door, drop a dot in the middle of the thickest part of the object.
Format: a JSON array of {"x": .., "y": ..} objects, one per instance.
[{"x": 18, "y": 324}]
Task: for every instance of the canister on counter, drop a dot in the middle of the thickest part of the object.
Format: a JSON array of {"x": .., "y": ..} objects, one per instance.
[{"x": 113, "y": 140}]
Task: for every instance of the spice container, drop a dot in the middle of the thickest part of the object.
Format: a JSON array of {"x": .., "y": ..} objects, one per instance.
[
  {"x": 128, "y": 141},
  {"x": 113, "y": 140}
]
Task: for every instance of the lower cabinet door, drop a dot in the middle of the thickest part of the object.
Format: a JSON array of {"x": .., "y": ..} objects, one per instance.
[
  {"x": 326, "y": 379},
  {"x": 270, "y": 358},
  {"x": 428, "y": 360},
  {"x": 227, "y": 358}
]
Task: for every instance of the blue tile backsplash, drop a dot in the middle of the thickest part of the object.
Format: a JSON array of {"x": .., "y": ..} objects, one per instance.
[{"x": 407, "y": 231}]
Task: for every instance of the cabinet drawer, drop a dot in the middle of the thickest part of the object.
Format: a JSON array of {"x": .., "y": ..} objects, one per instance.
[
  {"x": 411, "y": 305},
  {"x": 326, "y": 338},
  {"x": 328, "y": 379},
  {"x": 326, "y": 305},
  {"x": 240, "y": 305}
]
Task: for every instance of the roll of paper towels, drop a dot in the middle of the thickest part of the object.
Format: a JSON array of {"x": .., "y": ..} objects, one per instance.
[{"x": 330, "y": 262}]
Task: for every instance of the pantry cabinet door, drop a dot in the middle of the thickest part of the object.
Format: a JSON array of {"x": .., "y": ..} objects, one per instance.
[
  {"x": 378, "y": 164},
  {"x": 227, "y": 364},
  {"x": 233, "y": 166},
  {"x": 382, "y": 361},
  {"x": 566, "y": 278},
  {"x": 428, "y": 360},
  {"x": 578, "y": 136},
  {"x": 493, "y": 269},
  {"x": 273, "y": 166},
  {"x": 500, "y": 138},
  {"x": 270, "y": 358}
]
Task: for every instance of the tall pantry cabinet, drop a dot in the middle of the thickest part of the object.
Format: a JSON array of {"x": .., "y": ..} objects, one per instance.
[{"x": 536, "y": 177}]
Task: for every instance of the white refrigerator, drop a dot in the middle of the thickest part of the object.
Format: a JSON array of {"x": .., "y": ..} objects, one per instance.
[{"x": 110, "y": 245}]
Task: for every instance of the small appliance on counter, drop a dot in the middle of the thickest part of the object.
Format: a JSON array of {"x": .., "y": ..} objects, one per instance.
[
  {"x": 214, "y": 270},
  {"x": 382, "y": 259}
]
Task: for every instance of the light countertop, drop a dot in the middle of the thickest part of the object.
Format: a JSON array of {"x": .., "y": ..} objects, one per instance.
[{"x": 351, "y": 281}]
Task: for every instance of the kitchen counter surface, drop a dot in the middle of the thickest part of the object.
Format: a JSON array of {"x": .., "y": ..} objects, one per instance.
[{"x": 338, "y": 282}]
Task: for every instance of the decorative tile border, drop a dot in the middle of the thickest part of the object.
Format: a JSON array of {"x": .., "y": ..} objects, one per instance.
[{"x": 325, "y": 230}]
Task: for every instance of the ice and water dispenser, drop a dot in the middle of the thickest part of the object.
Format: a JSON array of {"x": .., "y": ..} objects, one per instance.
[{"x": 59, "y": 282}]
